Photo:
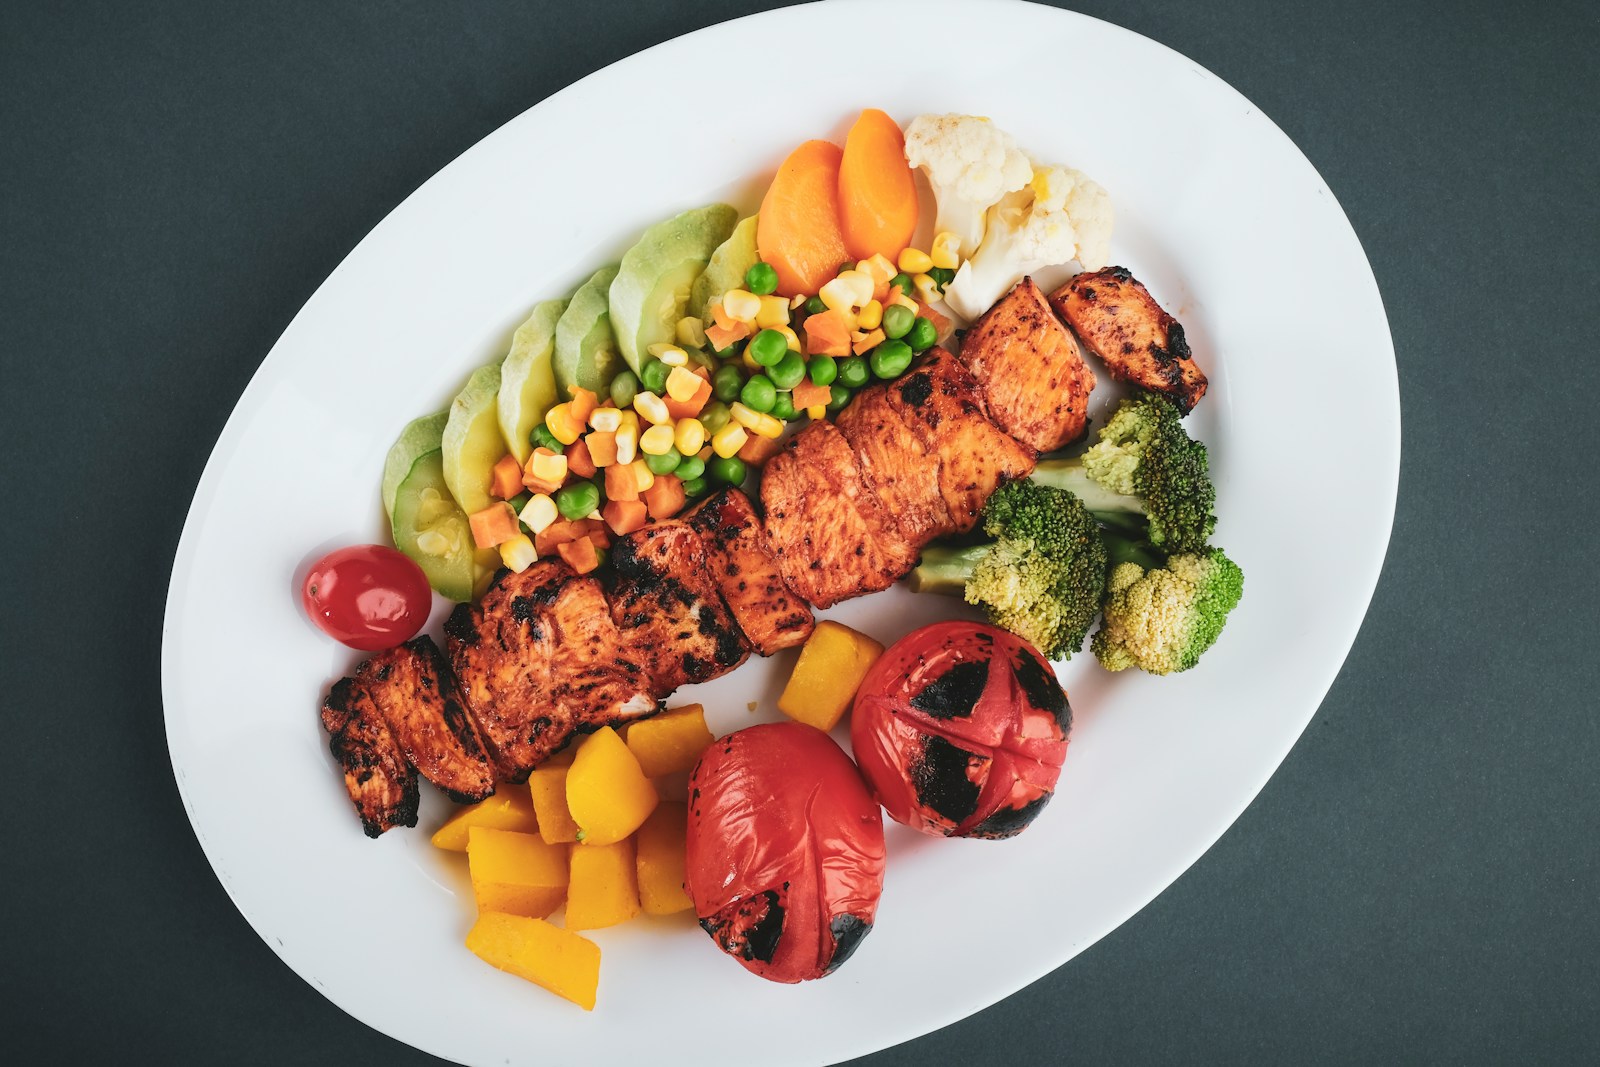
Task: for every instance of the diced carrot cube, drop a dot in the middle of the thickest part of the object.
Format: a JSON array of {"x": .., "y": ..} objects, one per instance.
[
  {"x": 688, "y": 409},
  {"x": 808, "y": 393},
  {"x": 620, "y": 483},
  {"x": 507, "y": 477},
  {"x": 583, "y": 403},
  {"x": 581, "y": 555},
  {"x": 557, "y": 533},
  {"x": 700, "y": 371},
  {"x": 596, "y": 531},
  {"x": 579, "y": 461},
  {"x": 665, "y": 497},
  {"x": 545, "y": 471},
  {"x": 626, "y": 516},
  {"x": 865, "y": 342},
  {"x": 757, "y": 449},
  {"x": 723, "y": 336},
  {"x": 827, "y": 334},
  {"x": 494, "y": 525},
  {"x": 602, "y": 446}
]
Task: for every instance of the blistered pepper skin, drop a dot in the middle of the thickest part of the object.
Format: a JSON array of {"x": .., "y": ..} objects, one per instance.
[
  {"x": 961, "y": 730},
  {"x": 785, "y": 851}
]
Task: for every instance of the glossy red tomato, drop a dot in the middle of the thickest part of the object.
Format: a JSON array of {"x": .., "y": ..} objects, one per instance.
[
  {"x": 961, "y": 730},
  {"x": 785, "y": 850},
  {"x": 369, "y": 597}
]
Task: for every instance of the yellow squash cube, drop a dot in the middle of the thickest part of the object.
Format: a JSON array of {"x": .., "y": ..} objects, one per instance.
[
  {"x": 559, "y": 960},
  {"x": 660, "y": 855},
  {"x": 604, "y": 886},
  {"x": 832, "y": 663},
  {"x": 547, "y": 785},
  {"x": 516, "y": 873},
  {"x": 509, "y": 809},
  {"x": 607, "y": 791},
  {"x": 671, "y": 741}
]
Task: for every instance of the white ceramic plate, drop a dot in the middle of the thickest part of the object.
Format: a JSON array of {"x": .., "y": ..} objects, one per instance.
[{"x": 1216, "y": 211}]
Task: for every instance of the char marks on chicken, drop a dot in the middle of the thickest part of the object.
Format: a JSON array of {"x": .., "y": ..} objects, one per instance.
[
  {"x": 381, "y": 784},
  {"x": 746, "y": 571},
  {"x": 1117, "y": 318},
  {"x": 895, "y": 463},
  {"x": 1033, "y": 377},
  {"x": 417, "y": 695}
]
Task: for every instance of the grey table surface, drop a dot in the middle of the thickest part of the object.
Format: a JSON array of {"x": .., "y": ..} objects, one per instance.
[{"x": 1417, "y": 883}]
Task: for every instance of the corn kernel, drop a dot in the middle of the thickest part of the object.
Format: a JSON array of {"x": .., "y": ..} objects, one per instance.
[
  {"x": 740, "y": 305},
  {"x": 790, "y": 336},
  {"x": 728, "y": 440},
  {"x": 899, "y": 296},
  {"x": 946, "y": 253},
  {"x": 671, "y": 355},
  {"x": 657, "y": 440},
  {"x": 689, "y": 436},
  {"x": 682, "y": 384},
  {"x": 547, "y": 467},
  {"x": 643, "y": 477},
  {"x": 561, "y": 424},
  {"x": 870, "y": 316},
  {"x": 774, "y": 312},
  {"x": 879, "y": 267},
  {"x": 630, "y": 418},
  {"x": 915, "y": 261},
  {"x": 692, "y": 332},
  {"x": 851, "y": 289},
  {"x": 769, "y": 426},
  {"x": 796, "y": 300},
  {"x": 539, "y": 513},
  {"x": 652, "y": 407},
  {"x": 605, "y": 419},
  {"x": 627, "y": 442},
  {"x": 927, "y": 289},
  {"x": 744, "y": 415},
  {"x": 817, "y": 411},
  {"x": 518, "y": 553}
]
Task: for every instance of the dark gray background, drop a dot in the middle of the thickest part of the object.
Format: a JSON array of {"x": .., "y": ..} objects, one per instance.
[{"x": 1418, "y": 881}]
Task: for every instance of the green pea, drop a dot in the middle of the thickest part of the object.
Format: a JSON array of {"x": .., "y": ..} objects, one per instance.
[
  {"x": 653, "y": 375},
  {"x": 815, "y": 306},
  {"x": 730, "y": 470},
  {"x": 897, "y": 320},
  {"x": 767, "y": 347},
  {"x": 903, "y": 283},
  {"x": 783, "y": 407},
  {"x": 853, "y": 372},
  {"x": 890, "y": 359},
  {"x": 665, "y": 463},
  {"x": 922, "y": 335},
  {"x": 576, "y": 501},
  {"x": 541, "y": 437},
  {"x": 519, "y": 502},
  {"x": 789, "y": 371},
  {"x": 942, "y": 276},
  {"x": 841, "y": 397},
  {"x": 693, "y": 487},
  {"x": 690, "y": 467},
  {"x": 823, "y": 370},
  {"x": 761, "y": 279},
  {"x": 715, "y": 415},
  {"x": 624, "y": 387},
  {"x": 758, "y": 393},
  {"x": 726, "y": 382}
]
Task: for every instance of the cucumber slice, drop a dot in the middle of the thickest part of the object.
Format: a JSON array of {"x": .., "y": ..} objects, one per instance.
[
  {"x": 527, "y": 378},
  {"x": 726, "y": 268},
  {"x": 472, "y": 441},
  {"x": 586, "y": 350},
  {"x": 432, "y": 530},
  {"x": 651, "y": 290},
  {"x": 419, "y": 437}
]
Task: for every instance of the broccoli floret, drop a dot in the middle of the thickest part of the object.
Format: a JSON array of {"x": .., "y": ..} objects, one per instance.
[
  {"x": 1161, "y": 619},
  {"x": 1042, "y": 574},
  {"x": 1145, "y": 461}
]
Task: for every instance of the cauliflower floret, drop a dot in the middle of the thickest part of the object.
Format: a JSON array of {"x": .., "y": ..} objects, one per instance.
[
  {"x": 971, "y": 164},
  {"x": 1061, "y": 215}
]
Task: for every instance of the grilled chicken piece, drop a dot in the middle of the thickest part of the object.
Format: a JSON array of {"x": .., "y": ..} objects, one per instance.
[
  {"x": 1121, "y": 323},
  {"x": 742, "y": 562},
  {"x": 939, "y": 399},
  {"x": 538, "y": 660},
  {"x": 1032, "y": 375},
  {"x": 831, "y": 534},
  {"x": 668, "y": 610},
  {"x": 417, "y": 694},
  {"x": 381, "y": 784},
  {"x": 905, "y": 476}
]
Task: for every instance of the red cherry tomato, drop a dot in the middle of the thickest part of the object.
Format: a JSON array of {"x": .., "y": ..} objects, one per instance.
[
  {"x": 960, "y": 730},
  {"x": 369, "y": 597},
  {"x": 785, "y": 850}
]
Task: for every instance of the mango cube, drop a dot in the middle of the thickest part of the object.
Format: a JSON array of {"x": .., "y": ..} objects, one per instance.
[
  {"x": 660, "y": 849},
  {"x": 508, "y": 809},
  {"x": 516, "y": 873},
  {"x": 547, "y": 786},
  {"x": 607, "y": 791},
  {"x": 604, "y": 886},
  {"x": 559, "y": 960},
  {"x": 670, "y": 742},
  {"x": 832, "y": 663}
]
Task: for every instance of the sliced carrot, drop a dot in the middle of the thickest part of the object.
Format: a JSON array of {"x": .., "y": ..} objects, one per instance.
[
  {"x": 757, "y": 449},
  {"x": 580, "y": 555},
  {"x": 877, "y": 192},
  {"x": 507, "y": 477},
  {"x": 827, "y": 334},
  {"x": 602, "y": 448},
  {"x": 579, "y": 461},
  {"x": 798, "y": 229},
  {"x": 688, "y": 409},
  {"x": 865, "y": 342},
  {"x": 665, "y": 497},
  {"x": 494, "y": 525},
  {"x": 626, "y": 516},
  {"x": 809, "y": 393},
  {"x": 583, "y": 404},
  {"x": 620, "y": 483}
]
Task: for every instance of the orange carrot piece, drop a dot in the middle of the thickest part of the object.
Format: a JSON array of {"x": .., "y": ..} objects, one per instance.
[
  {"x": 863, "y": 343},
  {"x": 626, "y": 516},
  {"x": 580, "y": 555},
  {"x": 596, "y": 531},
  {"x": 557, "y": 533},
  {"x": 798, "y": 229},
  {"x": 620, "y": 483},
  {"x": 602, "y": 448},
  {"x": 583, "y": 404},
  {"x": 809, "y": 394},
  {"x": 827, "y": 334},
  {"x": 757, "y": 449},
  {"x": 665, "y": 497},
  {"x": 507, "y": 478},
  {"x": 494, "y": 525},
  {"x": 579, "y": 461},
  {"x": 722, "y": 336},
  {"x": 877, "y": 192},
  {"x": 688, "y": 409}
]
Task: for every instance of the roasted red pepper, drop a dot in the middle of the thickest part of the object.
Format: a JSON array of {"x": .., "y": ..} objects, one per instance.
[
  {"x": 785, "y": 850},
  {"x": 961, "y": 730}
]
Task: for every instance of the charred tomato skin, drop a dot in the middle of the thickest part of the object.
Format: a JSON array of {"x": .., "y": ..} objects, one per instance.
[
  {"x": 370, "y": 597},
  {"x": 960, "y": 730},
  {"x": 785, "y": 851}
]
